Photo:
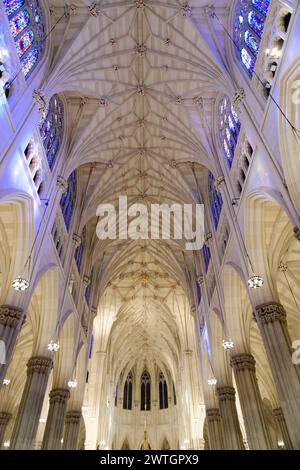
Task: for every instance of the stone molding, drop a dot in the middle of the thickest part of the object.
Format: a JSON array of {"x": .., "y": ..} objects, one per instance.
[
  {"x": 39, "y": 365},
  {"x": 271, "y": 312}
]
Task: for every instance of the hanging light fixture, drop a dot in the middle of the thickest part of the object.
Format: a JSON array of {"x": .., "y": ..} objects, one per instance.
[
  {"x": 228, "y": 344},
  {"x": 72, "y": 383},
  {"x": 6, "y": 381},
  {"x": 53, "y": 346},
  {"x": 20, "y": 284},
  {"x": 255, "y": 281},
  {"x": 212, "y": 381}
]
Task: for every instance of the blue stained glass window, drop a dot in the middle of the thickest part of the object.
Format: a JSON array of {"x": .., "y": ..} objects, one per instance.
[
  {"x": 24, "y": 42},
  {"x": 52, "y": 128},
  {"x": 68, "y": 199},
  {"x": 206, "y": 256},
  {"x": 19, "y": 22},
  {"x": 88, "y": 290},
  {"x": 249, "y": 25},
  {"x": 11, "y": 6},
  {"x": 27, "y": 27},
  {"x": 216, "y": 201},
  {"x": 229, "y": 127}
]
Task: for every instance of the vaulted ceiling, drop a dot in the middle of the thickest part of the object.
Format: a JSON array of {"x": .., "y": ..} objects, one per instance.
[{"x": 142, "y": 80}]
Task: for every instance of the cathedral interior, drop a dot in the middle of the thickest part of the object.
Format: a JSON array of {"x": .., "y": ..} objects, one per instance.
[{"x": 138, "y": 343}]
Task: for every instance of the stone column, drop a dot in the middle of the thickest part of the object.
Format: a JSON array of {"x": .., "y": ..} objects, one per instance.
[
  {"x": 233, "y": 439},
  {"x": 279, "y": 416},
  {"x": 10, "y": 317},
  {"x": 27, "y": 420},
  {"x": 72, "y": 427},
  {"x": 271, "y": 319},
  {"x": 56, "y": 419},
  {"x": 4, "y": 420},
  {"x": 215, "y": 432},
  {"x": 258, "y": 435}
]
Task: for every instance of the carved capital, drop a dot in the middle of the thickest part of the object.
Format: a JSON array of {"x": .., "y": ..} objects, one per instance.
[
  {"x": 226, "y": 393},
  {"x": 62, "y": 184},
  {"x": 59, "y": 395},
  {"x": 41, "y": 102},
  {"x": 210, "y": 11},
  {"x": 39, "y": 365},
  {"x": 5, "y": 418},
  {"x": 270, "y": 312},
  {"x": 86, "y": 280},
  {"x": 73, "y": 417},
  {"x": 94, "y": 312},
  {"x": 278, "y": 413},
  {"x": 297, "y": 233},
  {"x": 10, "y": 315},
  {"x": 213, "y": 414},
  {"x": 76, "y": 239},
  {"x": 243, "y": 362},
  {"x": 238, "y": 99},
  {"x": 198, "y": 101}
]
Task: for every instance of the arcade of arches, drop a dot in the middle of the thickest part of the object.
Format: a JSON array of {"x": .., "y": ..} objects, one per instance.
[{"x": 140, "y": 343}]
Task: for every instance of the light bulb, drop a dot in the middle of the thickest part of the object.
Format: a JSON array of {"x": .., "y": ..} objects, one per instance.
[
  {"x": 228, "y": 344},
  {"x": 212, "y": 381},
  {"x": 53, "y": 346},
  {"x": 72, "y": 383}
]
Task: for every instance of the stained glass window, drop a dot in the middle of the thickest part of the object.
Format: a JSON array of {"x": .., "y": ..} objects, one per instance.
[
  {"x": 127, "y": 395},
  {"x": 26, "y": 23},
  {"x": 229, "y": 127},
  {"x": 145, "y": 391},
  {"x": 88, "y": 290},
  {"x": 163, "y": 392},
  {"x": 206, "y": 256},
  {"x": 51, "y": 129},
  {"x": 249, "y": 25},
  {"x": 68, "y": 199},
  {"x": 19, "y": 22},
  {"x": 79, "y": 251},
  {"x": 216, "y": 201}
]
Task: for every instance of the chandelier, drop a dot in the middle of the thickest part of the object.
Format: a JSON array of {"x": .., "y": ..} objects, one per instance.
[
  {"x": 72, "y": 383},
  {"x": 212, "y": 381},
  {"x": 228, "y": 344},
  {"x": 20, "y": 284},
  {"x": 255, "y": 281},
  {"x": 53, "y": 346}
]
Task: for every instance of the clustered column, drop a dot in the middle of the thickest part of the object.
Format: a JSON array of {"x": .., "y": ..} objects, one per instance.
[
  {"x": 27, "y": 420},
  {"x": 56, "y": 419},
  {"x": 278, "y": 414},
  {"x": 271, "y": 319},
  {"x": 10, "y": 317},
  {"x": 4, "y": 420},
  {"x": 215, "y": 434},
  {"x": 233, "y": 438},
  {"x": 72, "y": 428},
  {"x": 251, "y": 403}
]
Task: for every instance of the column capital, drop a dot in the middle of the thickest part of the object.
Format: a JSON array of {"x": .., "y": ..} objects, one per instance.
[
  {"x": 62, "y": 184},
  {"x": 59, "y": 395},
  {"x": 5, "y": 418},
  {"x": 238, "y": 98},
  {"x": 73, "y": 417},
  {"x": 226, "y": 393},
  {"x": 10, "y": 315},
  {"x": 86, "y": 280},
  {"x": 213, "y": 414},
  {"x": 76, "y": 239},
  {"x": 270, "y": 312},
  {"x": 243, "y": 362},
  {"x": 278, "y": 413},
  {"x": 41, "y": 102},
  {"x": 297, "y": 233},
  {"x": 39, "y": 365}
]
